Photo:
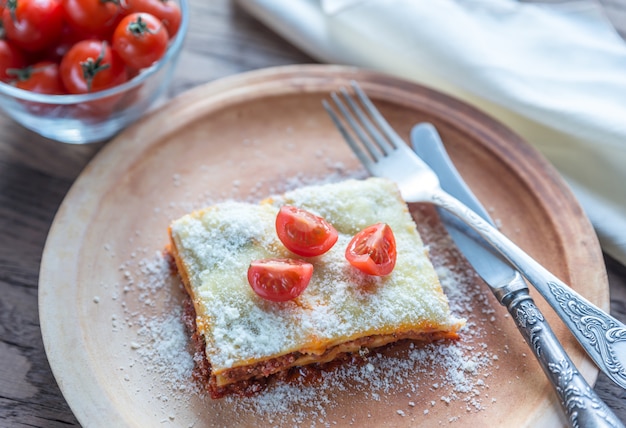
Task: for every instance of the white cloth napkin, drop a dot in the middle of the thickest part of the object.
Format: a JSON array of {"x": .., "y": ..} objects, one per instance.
[{"x": 555, "y": 73}]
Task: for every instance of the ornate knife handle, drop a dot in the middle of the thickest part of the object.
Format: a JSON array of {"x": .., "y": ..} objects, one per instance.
[
  {"x": 580, "y": 403},
  {"x": 602, "y": 336}
]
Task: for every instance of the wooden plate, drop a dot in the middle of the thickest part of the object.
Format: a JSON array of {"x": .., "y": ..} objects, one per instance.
[{"x": 109, "y": 309}]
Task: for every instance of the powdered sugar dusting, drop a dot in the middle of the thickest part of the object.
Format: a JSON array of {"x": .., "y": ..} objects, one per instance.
[
  {"x": 217, "y": 244},
  {"x": 454, "y": 374},
  {"x": 457, "y": 371}
]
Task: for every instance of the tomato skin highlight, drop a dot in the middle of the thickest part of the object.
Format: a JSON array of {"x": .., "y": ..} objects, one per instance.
[
  {"x": 42, "y": 77},
  {"x": 33, "y": 25},
  {"x": 279, "y": 280},
  {"x": 167, "y": 11},
  {"x": 373, "y": 250},
  {"x": 304, "y": 233},
  {"x": 140, "y": 40},
  {"x": 109, "y": 71}
]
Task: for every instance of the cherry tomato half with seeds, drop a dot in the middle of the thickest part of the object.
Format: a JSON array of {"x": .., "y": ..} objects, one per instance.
[
  {"x": 167, "y": 11},
  {"x": 279, "y": 280},
  {"x": 91, "y": 66},
  {"x": 11, "y": 57},
  {"x": 373, "y": 250},
  {"x": 33, "y": 25},
  {"x": 304, "y": 233},
  {"x": 42, "y": 77},
  {"x": 140, "y": 40}
]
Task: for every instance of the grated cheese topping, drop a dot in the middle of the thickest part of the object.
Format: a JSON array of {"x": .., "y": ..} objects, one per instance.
[{"x": 217, "y": 245}]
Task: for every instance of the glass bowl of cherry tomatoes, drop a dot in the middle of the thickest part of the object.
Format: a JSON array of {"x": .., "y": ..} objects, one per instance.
[{"x": 79, "y": 71}]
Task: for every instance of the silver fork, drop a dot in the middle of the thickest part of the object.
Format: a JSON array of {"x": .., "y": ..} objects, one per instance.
[{"x": 383, "y": 153}]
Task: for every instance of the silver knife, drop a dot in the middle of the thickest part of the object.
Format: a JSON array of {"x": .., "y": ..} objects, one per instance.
[{"x": 579, "y": 402}]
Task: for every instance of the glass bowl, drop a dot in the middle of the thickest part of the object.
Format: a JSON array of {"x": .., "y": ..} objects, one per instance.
[{"x": 94, "y": 117}]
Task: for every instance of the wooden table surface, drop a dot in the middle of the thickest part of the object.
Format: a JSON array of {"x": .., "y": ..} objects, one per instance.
[{"x": 36, "y": 173}]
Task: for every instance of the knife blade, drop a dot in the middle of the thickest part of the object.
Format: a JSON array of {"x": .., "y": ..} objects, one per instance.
[
  {"x": 489, "y": 264},
  {"x": 584, "y": 407}
]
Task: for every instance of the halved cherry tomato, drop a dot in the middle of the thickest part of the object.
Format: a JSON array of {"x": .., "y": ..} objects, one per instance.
[
  {"x": 99, "y": 17},
  {"x": 91, "y": 66},
  {"x": 373, "y": 250},
  {"x": 166, "y": 11},
  {"x": 42, "y": 77},
  {"x": 11, "y": 57},
  {"x": 33, "y": 25},
  {"x": 279, "y": 280},
  {"x": 140, "y": 40},
  {"x": 304, "y": 233}
]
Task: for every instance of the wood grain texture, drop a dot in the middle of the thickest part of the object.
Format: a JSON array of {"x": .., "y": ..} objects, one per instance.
[
  {"x": 277, "y": 108},
  {"x": 35, "y": 175}
]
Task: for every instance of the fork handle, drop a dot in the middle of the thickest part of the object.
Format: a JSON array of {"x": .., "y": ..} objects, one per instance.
[
  {"x": 600, "y": 334},
  {"x": 580, "y": 403}
]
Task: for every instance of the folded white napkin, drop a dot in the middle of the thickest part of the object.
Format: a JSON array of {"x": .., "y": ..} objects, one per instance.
[{"x": 555, "y": 73}]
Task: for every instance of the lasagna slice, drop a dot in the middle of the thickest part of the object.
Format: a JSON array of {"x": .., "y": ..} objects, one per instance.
[{"x": 341, "y": 311}]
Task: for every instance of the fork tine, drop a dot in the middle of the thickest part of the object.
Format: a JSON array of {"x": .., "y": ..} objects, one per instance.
[
  {"x": 374, "y": 152},
  {"x": 382, "y": 123},
  {"x": 356, "y": 148},
  {"x": 381, "y": 143}
]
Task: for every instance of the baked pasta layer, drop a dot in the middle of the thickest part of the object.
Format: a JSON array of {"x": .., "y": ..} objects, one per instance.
[{"x": 341, "y": 311}]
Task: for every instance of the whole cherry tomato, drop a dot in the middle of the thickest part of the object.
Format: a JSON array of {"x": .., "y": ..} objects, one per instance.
[
  {"x": 91, "y": 66},
  {"x": 166, "y": 11},
  {"x": 304, "y": 233},
  {"x": 69, "y": 37},
  {"x": 279, "y": 280},
  {"x": 98, "y": 17},
  {"x": 11, "y": 57},
  {"x": 33, "y": 25},
  {"x": 373, "y": 250},
  {"x": 42, "y": 77},
  {"x": 140, "y": 40}
]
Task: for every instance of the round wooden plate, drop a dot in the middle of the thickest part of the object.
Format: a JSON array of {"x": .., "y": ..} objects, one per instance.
[{"x": 109, "y": 313}]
